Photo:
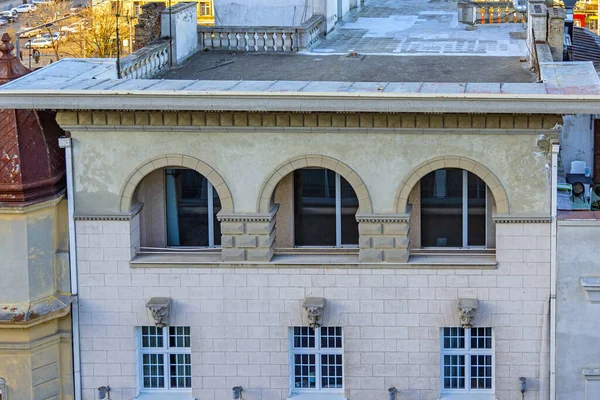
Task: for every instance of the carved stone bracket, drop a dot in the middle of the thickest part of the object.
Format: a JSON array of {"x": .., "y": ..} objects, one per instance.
[
  {"x": 159, "y": 309},
  {"x": 466, "y": 311},
  {"x": 314, "y": 307}
]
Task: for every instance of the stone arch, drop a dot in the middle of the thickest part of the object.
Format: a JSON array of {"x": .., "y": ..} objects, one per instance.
[
  {"x": 269, "y": 185},
  {"x": 175, "y": 160},
  {"x": 493, "y": 183}
]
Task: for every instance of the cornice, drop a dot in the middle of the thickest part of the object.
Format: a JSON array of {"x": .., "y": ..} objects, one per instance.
[
  {"x": 378, "y": 218},
  {"x": 522, "y": 219},
  {"x": 113, "y": 217},
  {"x": 407, "y": 122},
  {"x": 22, "y": 315},
  {"x": 238, "y": 217}
]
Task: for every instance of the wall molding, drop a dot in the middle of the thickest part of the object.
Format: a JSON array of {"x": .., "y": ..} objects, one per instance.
[
  {"x": 521, "y": 219},
  {"x": 258, "y": 217},
  {"x": 379, "y": 218},
  {"x": 114, "y": 217},
  {"x": 410, "y": 121}
]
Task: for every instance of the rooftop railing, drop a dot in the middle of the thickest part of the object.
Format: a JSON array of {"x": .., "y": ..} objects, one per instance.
[
  {"x": 265, "y": 38},
  {"x": 146, "y": 62}
]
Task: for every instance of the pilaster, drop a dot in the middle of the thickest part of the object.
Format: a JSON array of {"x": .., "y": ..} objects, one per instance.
[
  {"x": 248, "y": 237},
  {"x": 383, "y": 237}
]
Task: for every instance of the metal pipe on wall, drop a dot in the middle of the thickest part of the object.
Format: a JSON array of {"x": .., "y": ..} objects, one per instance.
[{"x": 553, "y": 262}]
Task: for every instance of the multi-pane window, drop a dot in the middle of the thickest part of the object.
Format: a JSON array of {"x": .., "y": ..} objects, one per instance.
[
  {"x": 317, "y": 359},
  {"x": 166, "y": 361},
  {"x": 325, "y": 207},
  {"x": 467, "y": 360},
  {"x": 205, "y": 9},
  {"x": 192, "y": 206},
  {"x": 453, "y": 209}
]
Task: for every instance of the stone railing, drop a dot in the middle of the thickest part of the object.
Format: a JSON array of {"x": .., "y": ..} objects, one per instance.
[
  {"x": 146, "y": 62},
  {"x": 266, "y": 38},
  {"x": 489, "y": 12}
]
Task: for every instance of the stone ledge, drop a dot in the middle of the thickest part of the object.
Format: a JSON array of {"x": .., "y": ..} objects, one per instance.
[
  {"x": 591, "y": 285},
  {"x": 27, "y": 314},
  {"x": 521, "y": 219}
]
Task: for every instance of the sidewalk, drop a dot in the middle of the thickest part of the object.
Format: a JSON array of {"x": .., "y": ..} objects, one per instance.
[{"x": 419, "y": 27}]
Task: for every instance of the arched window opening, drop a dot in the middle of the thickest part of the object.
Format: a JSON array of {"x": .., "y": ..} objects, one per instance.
[
  {"x": 454, "y": 209},
  {"x": 325, "y": 207},
  {"x": 192, "y": 205}
]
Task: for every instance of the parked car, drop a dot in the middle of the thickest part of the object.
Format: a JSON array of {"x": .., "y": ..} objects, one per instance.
[
  {"x": 30, "y": 33},
  {"x": 39, "y": 43},
  {"x": 78, "y": 8},
  {"x": 42, "y": 2},
  {"x": 8, "y": 15},
  {"x": 3, "y": 21},
  {"x": 54, "y": 37},
  {"x": 73, "y": 28},
  {"x": 25, "y": 8}
]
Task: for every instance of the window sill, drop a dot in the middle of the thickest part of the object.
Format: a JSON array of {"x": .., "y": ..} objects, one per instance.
[
  {"x": 468, "y": 396},
  {"x": 316, "y": 396},
  {"x": 164, "y": 396}
]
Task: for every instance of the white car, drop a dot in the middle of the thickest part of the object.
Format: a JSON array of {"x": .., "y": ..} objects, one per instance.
[
  {"x": 55, "y": 36},
  {"x": 42, "y": 2},
  {"x": 30, "y": 33},
  {"x": 3, "y": 21},
  {"x": 40, "y": 43},
  {"x": 25, "y": 8},
  {"x": 8, "y": 15},
  {"x": 73, "y": 28}
]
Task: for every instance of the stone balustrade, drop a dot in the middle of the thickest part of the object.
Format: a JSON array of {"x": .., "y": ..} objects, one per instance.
[
  {"x": 146, "y": 62},
  {"x": 488, "y": 12},
  {"x": 256, "y": 38}
]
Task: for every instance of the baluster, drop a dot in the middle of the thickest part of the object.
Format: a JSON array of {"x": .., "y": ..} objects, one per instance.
[
  {"x": 491, "y": 16},
  {"x": 482, "y": 10},
  {"x": 247, "y": 41},
  {"x": 265, "y": 45},
  {"x": 255, "y": 35}
]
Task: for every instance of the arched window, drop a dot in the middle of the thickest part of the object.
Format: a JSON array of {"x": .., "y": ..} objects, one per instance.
[
  {"x": 325, "y": 207},
  {"x": 453, "y": 209},
  {"x": 180, "y": 208},
  {"x": 192, "y": 205}
]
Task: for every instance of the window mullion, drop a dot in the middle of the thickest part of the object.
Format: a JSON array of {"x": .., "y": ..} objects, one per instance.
[
  {"x": 465, "y": 208},
  {"x": 211, "y": 222},
  {"x": 338, "y": 210}
]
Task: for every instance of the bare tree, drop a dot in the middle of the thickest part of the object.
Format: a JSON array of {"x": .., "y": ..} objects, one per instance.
[{"x": 51, "y": 18}]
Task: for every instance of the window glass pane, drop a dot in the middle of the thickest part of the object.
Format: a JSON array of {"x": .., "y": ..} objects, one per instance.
[
  {"x": 314, "y": 207},
  {"x": 179, "y": 336},
  {"x": 441, "y": 208},
  {"x": 216, "y": 223},
  {"x": 454, "y": 338},
  {"x": 477, "y": 217},
  {"x": 331, "y": 337},
  {"x": 481, "y": 338},
  {"x": 349, "y": 208},
  {"x": 153, "y": 371},
  {"x": 454, "y": 371},
  {"x": 187, "y": 208},
  {"x": 180, "y": 369},
  {"x": 481, "y": 372},
  {"x": 304, "y": 337},
  {"x": 331, "y": 371},
  {"x": 152, "y": 336},
  {"x": 304, "y": 371}
]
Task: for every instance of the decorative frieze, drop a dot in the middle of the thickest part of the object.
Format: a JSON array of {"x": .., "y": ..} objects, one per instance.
[
  {"x": 521, "y": 219},
  {"x": 405, "y": 121},
  {"x": 383, "y": 238},
  {"x": 114, "y": 217},
  {"x": 248, "y": 237}
]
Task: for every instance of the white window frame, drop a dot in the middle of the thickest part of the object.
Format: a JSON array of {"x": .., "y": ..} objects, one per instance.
[
  {"x": 166, "y": 351},
  {"x": 467, "y": 352},
  {"x": 211, "y": 209},
  {"x": 317, "y": 351}
]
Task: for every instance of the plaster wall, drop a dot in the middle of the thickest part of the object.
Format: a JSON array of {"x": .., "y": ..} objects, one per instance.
[
  {"x": 183, "y": 27},
  {"x": 32, "y": 267},
  {"x": 577, "y": 326},
  {"x": 240, "y": 317},
  {"x": 104, "y": 160},
  {"x": 272, "y": 13},
  {"x": 577, "y": 141},
  {"x": 36, "y": 361}
]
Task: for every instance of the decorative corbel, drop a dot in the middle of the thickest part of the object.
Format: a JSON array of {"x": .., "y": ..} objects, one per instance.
[
  {"x": 159, "y": 309},
  {"x": 466, "y": 312},
  {"x": 314, "y": 307}
]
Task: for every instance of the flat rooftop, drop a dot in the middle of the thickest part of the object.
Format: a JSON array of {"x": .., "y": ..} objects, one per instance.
[{"x": 364, "y": 68}]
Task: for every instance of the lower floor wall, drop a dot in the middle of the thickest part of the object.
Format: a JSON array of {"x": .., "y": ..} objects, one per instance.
[
  {"x": 240, "y": 319},
  {"x": 36, "y": 362}
]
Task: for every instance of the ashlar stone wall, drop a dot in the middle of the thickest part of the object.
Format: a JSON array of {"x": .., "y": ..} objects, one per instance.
[{"x": 240, "y": 316}]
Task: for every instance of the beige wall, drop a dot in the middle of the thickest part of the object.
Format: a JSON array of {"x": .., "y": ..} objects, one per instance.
[{"x": 106, "y": 158}]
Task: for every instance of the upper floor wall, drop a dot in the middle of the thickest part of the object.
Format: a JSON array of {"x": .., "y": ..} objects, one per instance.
[{"x": 246, "y": 149}]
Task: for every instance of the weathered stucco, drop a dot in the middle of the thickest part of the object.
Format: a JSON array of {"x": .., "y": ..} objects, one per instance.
[
  {"x": 577, "y": 322},
  {"x": 576, "y": 141},
  {"x": 106, "y": 158},
  {"x": 272, "y": 13}
]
